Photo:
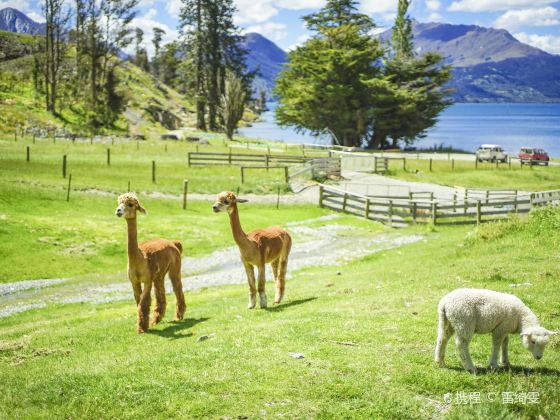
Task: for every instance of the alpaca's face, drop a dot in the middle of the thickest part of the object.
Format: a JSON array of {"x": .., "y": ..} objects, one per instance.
[
  {"x": 128, "y": 206},
  {"x": 535, "y": 340},
  {"x": 226, "y": 201}
]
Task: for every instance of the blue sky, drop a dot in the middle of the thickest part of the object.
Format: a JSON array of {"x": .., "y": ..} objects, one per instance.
[{"x": 535, "y": 22}]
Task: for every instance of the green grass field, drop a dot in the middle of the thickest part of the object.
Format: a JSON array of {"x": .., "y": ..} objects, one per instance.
[
  {"x": 464, "y": 174},
  {"x": 86, "y": 361}
]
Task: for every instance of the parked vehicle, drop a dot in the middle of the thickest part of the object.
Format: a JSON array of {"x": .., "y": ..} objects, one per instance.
[
  {"x": 532, "y": 156},
  {"x": 491, "y": 153}
]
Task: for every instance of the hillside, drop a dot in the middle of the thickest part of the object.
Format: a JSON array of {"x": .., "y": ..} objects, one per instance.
[
  {"x": 265, "y": 57},
  {"x": 152, "y": 107}
]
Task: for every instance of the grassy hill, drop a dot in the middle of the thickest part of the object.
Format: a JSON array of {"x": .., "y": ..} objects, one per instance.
[{"x": 152, "y": 107}]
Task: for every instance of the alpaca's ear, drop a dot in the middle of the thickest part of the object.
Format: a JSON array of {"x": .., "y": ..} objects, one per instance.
[
  {"x": 548, "y": 332},
  {"x": 524, "y": 334},
  {"x": 142, "y": 209},
  {"x": 241, "y": 200}
]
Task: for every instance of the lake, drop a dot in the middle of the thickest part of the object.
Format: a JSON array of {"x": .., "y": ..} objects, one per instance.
[{"x": 463, "y": 126}]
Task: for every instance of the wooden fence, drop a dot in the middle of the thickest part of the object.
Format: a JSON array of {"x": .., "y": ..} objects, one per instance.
[
  {"x": 207, "y": 158},
  {"x": 399, "y": 211}
]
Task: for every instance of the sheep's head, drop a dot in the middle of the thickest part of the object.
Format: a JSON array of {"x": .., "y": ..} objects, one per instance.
[
  {"x": 128, "y": 206},
  {"x": 226, "y": 200},
  {"x": 535, "y": 340}
]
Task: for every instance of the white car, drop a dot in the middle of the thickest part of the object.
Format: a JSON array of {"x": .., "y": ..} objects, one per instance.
[{"x": 491, "y": 153}]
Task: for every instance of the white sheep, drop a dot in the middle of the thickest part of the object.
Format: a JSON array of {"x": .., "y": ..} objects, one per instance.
[{"x": 469, "y": 311}]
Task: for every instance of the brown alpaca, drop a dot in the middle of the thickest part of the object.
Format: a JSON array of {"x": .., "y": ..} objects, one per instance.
[
  {"x": 258, "y": 247},
  {"x": 148, "y": 263}
]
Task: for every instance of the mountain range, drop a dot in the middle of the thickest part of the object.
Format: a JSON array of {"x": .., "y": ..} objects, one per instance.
[
  {"x": 489, "y": 65},
  {"x": 12, "y": 20}
]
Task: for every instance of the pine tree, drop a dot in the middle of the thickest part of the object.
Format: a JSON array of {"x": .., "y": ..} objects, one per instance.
[
  {"x": 402, "y": 33},
  {"x": 156, "y": 40}
]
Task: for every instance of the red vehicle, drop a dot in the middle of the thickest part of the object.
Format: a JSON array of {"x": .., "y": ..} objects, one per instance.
[{"x": 532, "y": 156}]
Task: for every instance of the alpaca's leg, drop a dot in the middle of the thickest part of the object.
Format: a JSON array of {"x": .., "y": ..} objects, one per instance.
[
  {"x": 275, "y": 265},
  {"x": 445, "y": 331},
  {"x": 137, "y": 289},
  {"x": 281, "y": 281},
  {"x": 505, "y": 357},
  {"x": 159, "y": 309},
  {"x": 462, "y": 343},
  {"x": 262, "y": 285},
  {"x": 252, "y": 286},
  {"x": 175, "y": 276},
  {"x": 144, "y": 309}
]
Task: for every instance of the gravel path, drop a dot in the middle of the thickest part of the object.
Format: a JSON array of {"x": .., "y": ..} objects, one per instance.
[{"x": 330, "y": 244}]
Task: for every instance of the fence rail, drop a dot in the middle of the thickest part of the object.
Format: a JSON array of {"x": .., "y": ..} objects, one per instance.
[
  {"x": 207, "y": 158},
  {"x": 400, "y": 211}
]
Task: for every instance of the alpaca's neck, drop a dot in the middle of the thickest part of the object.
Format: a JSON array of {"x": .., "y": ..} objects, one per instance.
[
  {"x": 528, "y": 319},
  {"x": 133, "y": 250},
  {"x": 238, "y": 235}
]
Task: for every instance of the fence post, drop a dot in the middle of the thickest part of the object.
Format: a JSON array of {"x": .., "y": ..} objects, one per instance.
[
  {"x": 154, "y": 171},
  {"x": 487, "y": 195},
  {"x": 390, "y": 212},
  {"x": 344, "y": 202},
  {"x": 414, "y": 212},
  {"x": 229, "y": 156},
  {"x": 108, "y": 156},
  {"x": 478, "y": 212},
  {"x": 452, "y": 164},
  {"x": 64, "y": 166},
  {"x": 69, "y": 184},
  {"x": 497, "y": 161},
  {"x": 34, "y": 137},
  {"x": 278, "y": 198},
  {"x": 366, "y": 214},
  {"x": 286, "y": 178},
  {"x": 320, "y": 196},
  {"x": 531, "y": 200},
  {"x": 266, "y": 159},
  {"x": 404, "y": 164},
  {"x": 475, "y": 163},
  {"x": 509, "y": 162},
  {"x": 15, "y": 136},
  {"x": 185, "y": 189},
  {"x": 430, "y": 164},
  {"x": 189, "y": 159},
  {"x": 242, "y": 177},
  {"x": 128, "y": 190},
  {"x": 375, "y": 164},
  {"x": 434, "y": 213},
  {"x": 27, "y": 153}
]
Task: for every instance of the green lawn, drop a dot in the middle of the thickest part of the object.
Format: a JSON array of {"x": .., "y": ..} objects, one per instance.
[
  {"x": 86, "y": 361},
  {"x": 464, "y": 174}
]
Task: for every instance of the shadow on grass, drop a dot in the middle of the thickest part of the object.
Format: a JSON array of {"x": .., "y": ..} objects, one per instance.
[
  {"x": 174, "y": 327},
  {"x": 516, "y": 370},
  {"x": 280, "y": 308}
]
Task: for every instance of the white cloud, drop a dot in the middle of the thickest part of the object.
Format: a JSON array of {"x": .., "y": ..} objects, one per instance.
[
  {"x": 378, "y": 6},
  {"x": 36, "y": 17},
  {"x": 299, "y": 4},
  {"x": 22, "y": 5},
  {"x": 254, "y": 11},
  {"x": 435, "y": 17},
  {"x": 513, "y": 19},
  {"x": 173, "y": 7},
  {"x": 548, "y": 43},
  {"x": 147, "y": 23},
  {"x": 495, "y": 5},
  {"x": 433, "y": 5},
  {"x": 271, "y": 30}
]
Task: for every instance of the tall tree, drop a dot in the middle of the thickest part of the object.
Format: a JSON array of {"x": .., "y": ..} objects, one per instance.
[
  {"x": 232, "y": 103},
  {"x": 56, "y": 21},
  {"x": 156, "y": 41},
  {"x": 419, "y": 94},
  {"x": 325, "y": 83},
  {"x": 141, "y": 55}
]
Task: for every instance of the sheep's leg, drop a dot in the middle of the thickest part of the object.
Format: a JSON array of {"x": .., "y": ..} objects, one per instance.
[
  {"x": 445, "y": 331},
  {"x": 262, "y": 286},
  {"x": 252, "y": 285},
  {"x": 144, "y": 309},
  {"x": 159, "y": 309},
  {"x": 497, "y": 339},
  {"x": 281, "y": 281},
  {"x": 463, "y": 347},
  {"x": 505, "y": 357},
  {"x": 175, "y": 276}
]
